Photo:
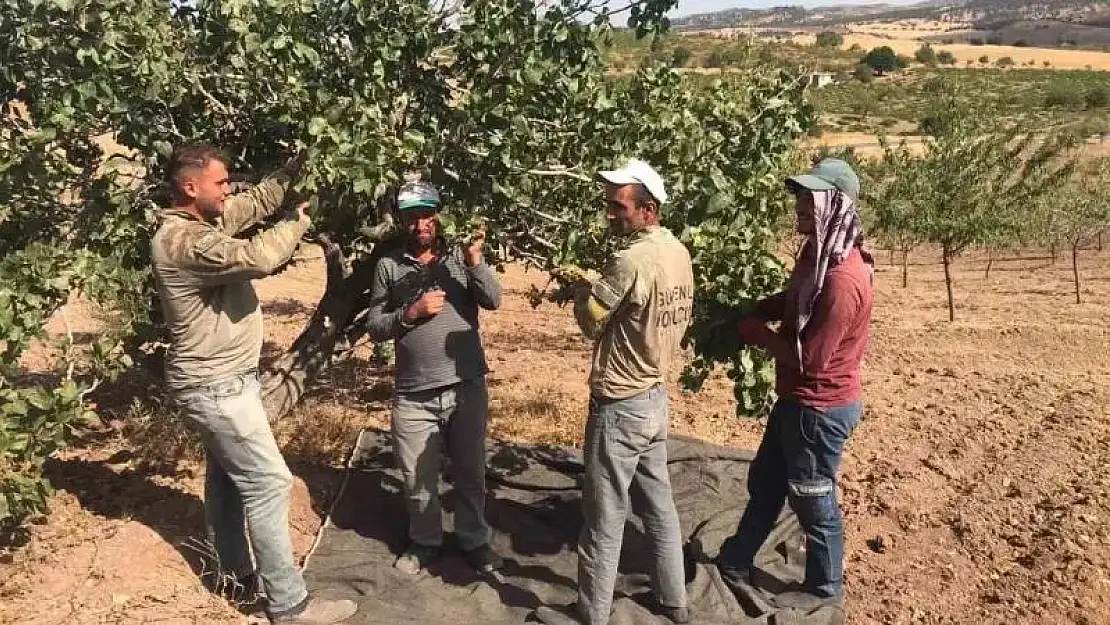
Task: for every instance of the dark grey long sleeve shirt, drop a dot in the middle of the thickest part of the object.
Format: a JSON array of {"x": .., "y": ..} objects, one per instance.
[{"x": 444, "y": 349}]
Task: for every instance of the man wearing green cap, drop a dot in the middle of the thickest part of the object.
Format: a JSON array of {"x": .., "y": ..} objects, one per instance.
[
  {"x": 425, "y": 297},
  {"x": 826, "y": 315}
]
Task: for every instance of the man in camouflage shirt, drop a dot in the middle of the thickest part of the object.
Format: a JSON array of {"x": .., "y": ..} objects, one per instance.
[
  {"x": 203, "y": 274},
  {"x": 637, "y": 313}
]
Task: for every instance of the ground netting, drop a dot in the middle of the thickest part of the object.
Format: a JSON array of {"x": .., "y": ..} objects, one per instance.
[{"x": 534, "y": 496}]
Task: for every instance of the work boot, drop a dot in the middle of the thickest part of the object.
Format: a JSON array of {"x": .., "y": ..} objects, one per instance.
[
  {"x": 317, "y": 611},
  {"x": 484, "y": 559},
  {"x": 559, "y": 615},
  {"x": 417, "y": 558}
]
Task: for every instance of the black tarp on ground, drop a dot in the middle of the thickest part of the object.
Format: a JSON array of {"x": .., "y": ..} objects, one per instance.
[{"x": 534, "y": 510}]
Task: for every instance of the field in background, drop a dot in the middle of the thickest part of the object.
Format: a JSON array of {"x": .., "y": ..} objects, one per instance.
[{"x": 974, "y": 489}]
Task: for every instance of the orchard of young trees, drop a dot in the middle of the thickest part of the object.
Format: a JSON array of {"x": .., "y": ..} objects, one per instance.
[
  {"x": 985, "y": 184},
  {"x": 505, "y": 104}
]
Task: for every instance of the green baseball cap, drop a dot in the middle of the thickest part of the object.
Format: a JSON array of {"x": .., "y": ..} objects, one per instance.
[
  {"x": 830, "y": 173},
  {"x": 417, "y": 195}
]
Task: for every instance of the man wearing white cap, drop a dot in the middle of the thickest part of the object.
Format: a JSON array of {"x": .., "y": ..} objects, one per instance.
[{"x": 637, "y": 314}]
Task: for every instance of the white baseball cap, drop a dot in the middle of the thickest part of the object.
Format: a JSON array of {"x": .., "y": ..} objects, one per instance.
[{"x": 637, "y": 172}]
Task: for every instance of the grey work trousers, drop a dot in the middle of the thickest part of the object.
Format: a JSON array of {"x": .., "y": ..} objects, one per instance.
[
  {"x": 626, "y": 469},
  {"x": 424, "y": 423},
  {"x": 246, "y": 480}
]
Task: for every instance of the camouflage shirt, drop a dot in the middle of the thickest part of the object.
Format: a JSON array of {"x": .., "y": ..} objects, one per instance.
[
  {"x": 637, "y": 314},
  {"x": 203, "y": 275}
]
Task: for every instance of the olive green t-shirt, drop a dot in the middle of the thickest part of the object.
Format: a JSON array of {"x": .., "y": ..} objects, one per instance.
[{"x": 648, "y": 287}]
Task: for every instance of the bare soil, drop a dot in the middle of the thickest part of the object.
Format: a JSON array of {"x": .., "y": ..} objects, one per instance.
[{"x": 975, "y": 489}]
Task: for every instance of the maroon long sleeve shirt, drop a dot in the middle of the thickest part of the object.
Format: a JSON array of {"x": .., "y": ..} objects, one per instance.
[{"x": 834, "y": 340}]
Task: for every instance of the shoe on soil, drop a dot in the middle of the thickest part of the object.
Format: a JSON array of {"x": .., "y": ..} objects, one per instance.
[
  {"x": 416, "y": 558},
  {"x": 319, "y": 611},
  {"x": 484, "y": 559},
  {"x": 559, "y": 615},
  {"x": 803, "y": 601},
  {"x": 735, "y": 577},
  {"x": 676, "y": 615}
]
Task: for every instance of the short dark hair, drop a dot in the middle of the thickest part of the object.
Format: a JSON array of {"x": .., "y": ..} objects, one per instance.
[
  {"x": 191, "y": 156},
  {"x": 643, "y": 196}
]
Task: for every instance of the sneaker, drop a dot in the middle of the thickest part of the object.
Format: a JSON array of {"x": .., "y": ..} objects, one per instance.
[
  {"x": 559, "y": 615},
  {"x": 416, "y": 558},
  {"x": 484, "y": 559},
  {"x": 676, "y": 615},
  {"x": 317, "y": 611}
]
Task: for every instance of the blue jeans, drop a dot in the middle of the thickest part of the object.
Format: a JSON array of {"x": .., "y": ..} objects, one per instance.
[
  {"x": 798, "y": 462},
  {"x": 247, "y": 483},
  {"x": 626, "y": 467},
  {"x": 424, "y": 424}
]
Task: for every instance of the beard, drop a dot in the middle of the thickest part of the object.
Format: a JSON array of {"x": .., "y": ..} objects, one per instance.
[
  {"x": 210, "y": 208},
  {"x": 424, "y": 239}
]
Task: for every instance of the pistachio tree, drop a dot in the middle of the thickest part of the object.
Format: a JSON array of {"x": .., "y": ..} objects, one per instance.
[
  {"x": 1079, "y": 213},
  {"x": 979, "y": 180},
  {"x": 505, "y": 104}
]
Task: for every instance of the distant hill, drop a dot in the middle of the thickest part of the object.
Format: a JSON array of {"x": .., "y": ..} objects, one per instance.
[{"x": 987, "y": 15}]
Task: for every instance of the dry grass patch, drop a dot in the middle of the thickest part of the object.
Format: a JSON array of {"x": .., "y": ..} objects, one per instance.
[{"x": 546, "y": 415}]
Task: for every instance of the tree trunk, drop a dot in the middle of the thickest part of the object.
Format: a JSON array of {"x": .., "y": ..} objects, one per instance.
[
  {"x": 905, "y": 267},
  {"x": 1099, "y": 241},
  {"x": 990, "y": 262},
  {"x": 1053, "y": 250},
  {"x": 948, "y": 284},
  {"x": 892, "y": 256},
  {"x": 336, "y": 320},
  {"x": 1075, "y": 269}
]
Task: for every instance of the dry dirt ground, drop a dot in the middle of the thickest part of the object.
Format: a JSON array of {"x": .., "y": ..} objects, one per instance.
[{"x": 975, "y": 490}]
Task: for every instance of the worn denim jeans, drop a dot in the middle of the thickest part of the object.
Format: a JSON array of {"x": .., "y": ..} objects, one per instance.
[
  {"x": 626, "y": 469},
  {"x": 798, "y": 462},
  {"x": 424, "y": 424},
  {"x": 247, "y": 482}
]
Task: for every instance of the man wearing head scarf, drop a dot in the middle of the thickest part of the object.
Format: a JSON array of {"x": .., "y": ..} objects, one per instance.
[
  {"x": 826, "y": 315},
  {"x": 425, "y": 297}
]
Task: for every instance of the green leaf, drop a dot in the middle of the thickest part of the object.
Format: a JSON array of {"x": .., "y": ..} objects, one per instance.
[
  {"x": 317, "y": 126},
  {"x": 39, "y": 398}
]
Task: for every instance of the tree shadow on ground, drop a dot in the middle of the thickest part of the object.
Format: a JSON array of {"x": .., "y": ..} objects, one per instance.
[{"x": 176, "y": 515}]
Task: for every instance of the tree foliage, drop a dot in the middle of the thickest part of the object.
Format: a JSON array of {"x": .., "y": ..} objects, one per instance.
[
  {"x": 883, "y": 60},
  {"x": 829, "y": 39},
  {"x": 891, "y": 195},
  {"x": 974, "y": 184},
  {"x": 1078, "y": 213},
  {"x": 926, "y": 55},
  {"x": 864, "y": 73},
  {"x": 503, "y": 103},
  {"x": 681, "y": 56}
]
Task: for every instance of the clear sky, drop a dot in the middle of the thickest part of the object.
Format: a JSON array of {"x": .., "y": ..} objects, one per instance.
[{"x": 686, "y": 7}]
